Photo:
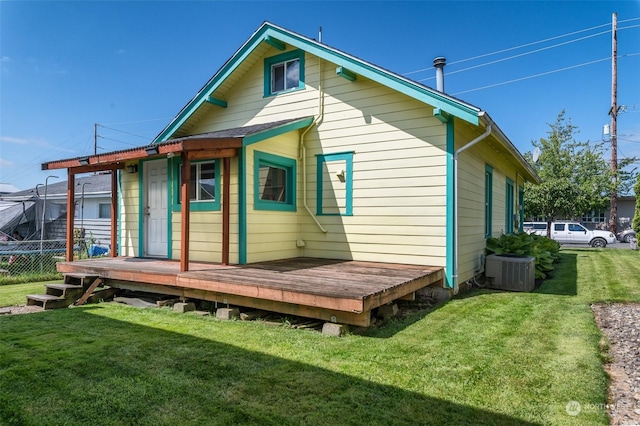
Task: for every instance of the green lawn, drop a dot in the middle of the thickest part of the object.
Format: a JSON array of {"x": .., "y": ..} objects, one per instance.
[{"x": 483, "y": 358}]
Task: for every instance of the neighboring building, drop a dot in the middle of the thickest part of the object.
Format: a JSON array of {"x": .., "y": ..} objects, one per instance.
[
  {"x": 7, "y": 188},
  {"x": 600, "y": 218},
  {"x": 298, "y": 149},
  {"x": 93, "y": 208}
]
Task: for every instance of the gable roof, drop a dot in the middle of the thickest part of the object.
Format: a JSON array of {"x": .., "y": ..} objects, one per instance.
[{"x": 270, "y": 34}]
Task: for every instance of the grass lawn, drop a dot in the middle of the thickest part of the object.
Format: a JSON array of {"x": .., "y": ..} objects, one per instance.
[
  {"x": 483, "y": 358},
  {"x": 14, "y": 294}
]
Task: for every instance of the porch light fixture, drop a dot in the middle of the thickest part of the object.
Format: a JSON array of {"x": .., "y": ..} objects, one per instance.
[
  {"x": 83, "y": 161},
  {"x": 341, "y": 176},
  {"x": 152, "y": 150},
  {"x": 171, "y": 154},
  {"x": 132, "y": 168}
]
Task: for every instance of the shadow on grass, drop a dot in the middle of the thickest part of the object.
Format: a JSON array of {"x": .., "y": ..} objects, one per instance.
[
  {"x": 564, "y": 278},
  {"x": 74, "y": 367}
]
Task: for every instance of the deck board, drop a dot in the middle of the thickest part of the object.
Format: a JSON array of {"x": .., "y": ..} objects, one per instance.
[{"x": 301, "y": 284}]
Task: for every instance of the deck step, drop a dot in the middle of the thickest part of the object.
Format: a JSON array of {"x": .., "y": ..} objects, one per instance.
[
  {"x": 64, "y": 290},
  {"x": 47, "y": 301},
  {"x": 79, "y": 278}
]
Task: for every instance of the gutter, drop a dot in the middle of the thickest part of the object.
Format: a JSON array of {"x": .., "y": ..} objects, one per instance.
[{"x": 303, "y": 150}]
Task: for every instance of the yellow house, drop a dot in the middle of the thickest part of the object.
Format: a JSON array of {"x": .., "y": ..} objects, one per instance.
[{"x": 296, "y": 149}]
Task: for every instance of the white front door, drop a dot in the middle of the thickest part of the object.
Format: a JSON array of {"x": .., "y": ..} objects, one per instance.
[{"x": 156, "y": 214}]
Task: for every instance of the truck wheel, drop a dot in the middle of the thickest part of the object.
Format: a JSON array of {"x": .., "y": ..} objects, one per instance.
[{"x": 598, "y": 242}]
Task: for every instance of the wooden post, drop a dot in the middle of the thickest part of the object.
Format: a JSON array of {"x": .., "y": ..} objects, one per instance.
[
  {"x": 114, "y": 213},
  {"x": 613, "y": 215},
  {"x": 71, "y": 211},
  {"x": 184, "y": 193},
  {"x": 226, "y": 185}
]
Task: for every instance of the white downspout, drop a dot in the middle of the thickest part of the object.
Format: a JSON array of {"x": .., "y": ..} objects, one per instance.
[
  {"x": 303, "y": 149},
  {"x": 486, "y": 133}
]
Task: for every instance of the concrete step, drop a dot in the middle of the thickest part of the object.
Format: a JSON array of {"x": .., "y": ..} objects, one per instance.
[{"x": 48, "y": 301}]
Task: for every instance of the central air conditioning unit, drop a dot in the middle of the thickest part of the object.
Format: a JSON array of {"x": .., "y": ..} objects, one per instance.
[{"x": 512, "y": 273}]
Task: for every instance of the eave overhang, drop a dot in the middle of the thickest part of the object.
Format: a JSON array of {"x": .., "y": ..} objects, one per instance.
[
  {"x": 217, "y": 144},
  {"x": 356, "y": 66}
]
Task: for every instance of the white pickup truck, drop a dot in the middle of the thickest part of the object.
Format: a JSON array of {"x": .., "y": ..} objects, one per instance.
[{"x": 571, "y": 233}]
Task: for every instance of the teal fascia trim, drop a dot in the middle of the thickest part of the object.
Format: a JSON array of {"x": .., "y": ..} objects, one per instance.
[
  {"x": 345, "y": 73},
  {"x": 323, "y": 158},
  {"x": 194, "y": 206},
  {"x": 406, "y": 87},
  {"x": 213, "y": 84},
  {"x": 441, "y": 115},
  {"x": 277, "y": 131},
  {"x": 451, "y": 219},
  {"x": 288, "y": 164},
  {"x": 420, "y": 93},
  {"x": 283, "y": 57},
  {"x": 242, "y": 206},
  {"x": 141, "y": 209},
  {"x": 275, "y": 43},
  {"x": 216, "y": 101}
]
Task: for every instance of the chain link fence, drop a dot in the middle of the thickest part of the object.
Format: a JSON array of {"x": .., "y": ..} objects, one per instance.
[{"x": 39, "y": 258}]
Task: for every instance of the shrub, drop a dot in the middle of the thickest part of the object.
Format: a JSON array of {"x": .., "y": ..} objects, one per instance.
[{"x": 545, "y": 250}]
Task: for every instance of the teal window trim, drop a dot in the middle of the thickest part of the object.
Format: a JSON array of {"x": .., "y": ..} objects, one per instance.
[
  {"x": 521, "y": 208},
  {"x": 283, "y": 163},
  {"x": 195, "y": 205},
  {"x": 242, "y": 206},
  {"x": 325, "y": 158},
  {"x": 283, "y": 58},
  {"x": 488, "y": 200},
  {"x": 508, "y": 208}
]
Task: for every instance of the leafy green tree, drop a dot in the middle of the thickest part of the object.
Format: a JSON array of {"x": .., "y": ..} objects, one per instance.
[
  {"x": 636, "y": 215},
  {"x": 575, "y": 176}
]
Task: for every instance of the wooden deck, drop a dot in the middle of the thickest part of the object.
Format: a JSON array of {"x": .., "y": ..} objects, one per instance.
[{"x": 331, "y": 290}]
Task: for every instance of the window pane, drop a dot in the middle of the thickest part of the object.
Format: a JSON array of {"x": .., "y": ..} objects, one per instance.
[
  {"x": 273, "y": 183},
  {"x": 558, "y": 227},
  {"x": 293, "y": 74},
  {"x": 192, "y": 182},
  {"x": 207, "y": 182},
  {"x": 104, "y": 211},
  {"x": 277, "y": 78}
]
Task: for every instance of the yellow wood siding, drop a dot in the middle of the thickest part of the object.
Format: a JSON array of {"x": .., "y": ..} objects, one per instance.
[
  {"x": 271, "y": 234},
  {"x": 129, "y": 214},
  {"x": 205, "y": 232},
  {"x": 399, "y": 172},
  {"x": 471, "y": 190}
]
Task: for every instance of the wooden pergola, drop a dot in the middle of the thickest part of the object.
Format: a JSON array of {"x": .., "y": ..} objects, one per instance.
[{"x": 198, "y": 147}]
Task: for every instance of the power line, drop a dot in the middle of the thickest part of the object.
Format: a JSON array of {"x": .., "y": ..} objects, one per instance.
[
  {"x": 543, "y": 73},
  {"x": 522, "y": 54},
  {"x": 138, "y": 121},
  {"x": 122, "y": 131},
  {"x": 532, "y": 76},
  {"x": 517, "y": 47}
]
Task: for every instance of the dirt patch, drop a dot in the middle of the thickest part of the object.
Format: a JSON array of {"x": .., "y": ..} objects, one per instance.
[
  {"x": 20, "y": 309},
  {"x": 621, "y": 324}
]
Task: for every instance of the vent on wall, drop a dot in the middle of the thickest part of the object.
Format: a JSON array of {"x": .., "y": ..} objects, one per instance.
[{"x": 511, "y": 273}]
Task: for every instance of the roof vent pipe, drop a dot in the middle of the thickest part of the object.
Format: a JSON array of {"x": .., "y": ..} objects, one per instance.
[{"x": 439, "y": 64}]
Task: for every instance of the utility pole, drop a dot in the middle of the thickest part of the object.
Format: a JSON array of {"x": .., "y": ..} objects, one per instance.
[
  {"x": 613, "y": 216},
  {"x": 95, "y": 138}
]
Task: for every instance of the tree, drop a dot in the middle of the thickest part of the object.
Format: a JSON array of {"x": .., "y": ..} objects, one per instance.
[
  {"x": 575, "y": 176},
  {"x": 636, "y": 214}
]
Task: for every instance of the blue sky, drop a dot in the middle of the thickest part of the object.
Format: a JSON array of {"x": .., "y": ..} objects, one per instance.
[{"x": 132, "y": 66}]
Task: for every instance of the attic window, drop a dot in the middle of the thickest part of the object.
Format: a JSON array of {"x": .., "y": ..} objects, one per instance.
[{"x": 284, "y": 73}]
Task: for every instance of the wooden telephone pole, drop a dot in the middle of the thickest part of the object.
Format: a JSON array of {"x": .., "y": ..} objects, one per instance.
[{"x": 613, "y": 217}]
